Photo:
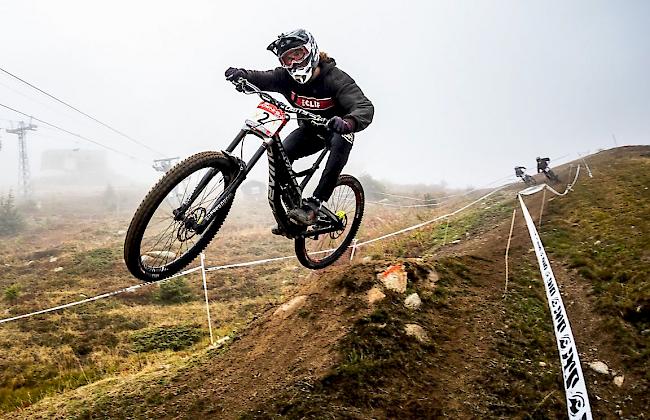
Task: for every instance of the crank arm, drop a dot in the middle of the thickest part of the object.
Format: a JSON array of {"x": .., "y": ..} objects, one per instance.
[
  {"x": 330, "y": 224},
  {"x": 316, "y": 232},
  {"x": 331, "y": 218}
]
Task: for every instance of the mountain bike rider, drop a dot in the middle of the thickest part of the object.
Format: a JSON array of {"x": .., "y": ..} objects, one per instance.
[
  {"x": 542, "y": 164},
  {"x": 519, "y": 171},
  {"x": 310, "y": 80}
]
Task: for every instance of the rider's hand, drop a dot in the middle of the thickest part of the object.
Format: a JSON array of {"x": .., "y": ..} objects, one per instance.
[
  {"x": 234, "y": 73},
  {"x": 341, "y": 125}
]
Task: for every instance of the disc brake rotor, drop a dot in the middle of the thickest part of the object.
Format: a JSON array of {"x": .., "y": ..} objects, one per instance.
[{"x": 186, "y": 229}]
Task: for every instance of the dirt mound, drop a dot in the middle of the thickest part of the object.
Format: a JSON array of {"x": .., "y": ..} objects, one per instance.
[{"x": 287, "y": 347}]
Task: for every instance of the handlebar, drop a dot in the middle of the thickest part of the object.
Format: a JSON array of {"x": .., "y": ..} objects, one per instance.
[{"x": 246, "y": 87}]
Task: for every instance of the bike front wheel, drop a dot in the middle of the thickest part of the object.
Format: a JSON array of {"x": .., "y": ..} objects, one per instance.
[
  {"x": 347, "y": 203},
  {"x": 159, "y": 244}
]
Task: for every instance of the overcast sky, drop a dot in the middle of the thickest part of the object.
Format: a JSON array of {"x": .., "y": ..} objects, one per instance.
[{"x": 463, "y": 90}]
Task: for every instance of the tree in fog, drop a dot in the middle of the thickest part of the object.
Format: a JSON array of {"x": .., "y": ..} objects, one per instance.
[
  {"x": 372, "y": 187},
  {"x": 11, "y": 221},
  {"x": 109, "y": 198}
]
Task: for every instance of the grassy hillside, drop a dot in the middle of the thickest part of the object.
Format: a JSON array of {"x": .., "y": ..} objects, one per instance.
[
  {"x": 71, "y": 248},
  {"x": 333, "y": 353},
  {"x": 603, "y": 235}
]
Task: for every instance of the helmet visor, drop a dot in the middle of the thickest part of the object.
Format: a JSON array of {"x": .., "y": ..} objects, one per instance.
[{"x": 294, "y": 56}]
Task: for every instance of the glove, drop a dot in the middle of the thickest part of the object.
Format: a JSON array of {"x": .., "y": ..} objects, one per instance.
[
  {"x": 233, "y": 74},
  {"x": 341, "y": 125}
]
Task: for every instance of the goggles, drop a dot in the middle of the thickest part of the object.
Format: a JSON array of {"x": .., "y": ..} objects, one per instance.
[{"x": 294, "y": 56}]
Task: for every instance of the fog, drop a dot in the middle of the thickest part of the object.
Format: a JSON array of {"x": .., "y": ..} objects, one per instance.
[{"x": 463, "y": 91}]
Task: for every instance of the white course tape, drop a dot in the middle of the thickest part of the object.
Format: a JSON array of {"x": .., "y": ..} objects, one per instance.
[
  {"x": 245, "y": 264},
  {"x": 586, "y": 166},
  {"x": 410, "y": 206},
  {"x": 249, "y": 263},
  {"x": 575, "y": 387},
  {"x": 419, "y": 225},
  {"x": 205, "y": 293},
  {"x": 98, "y": 297},
  {"x": 398, "y": 196},
  {"x": 538, "y": 188},
  {"x": 441, "y": 197},
  {"x": 512, "y": 226},
  {"x": 533, "y": 190}
]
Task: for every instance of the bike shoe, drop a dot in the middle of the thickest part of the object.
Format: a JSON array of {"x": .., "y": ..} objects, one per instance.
[
  {"x": 277, "y": 230},
  {"x": 307, "y": 214}
]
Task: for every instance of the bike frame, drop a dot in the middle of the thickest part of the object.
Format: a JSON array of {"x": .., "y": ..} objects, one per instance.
[
  {"x": 283, "y": 186},
  {"x": 285, "y": 189}
]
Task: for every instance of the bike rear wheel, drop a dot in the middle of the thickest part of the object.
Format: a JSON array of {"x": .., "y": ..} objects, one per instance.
[
  {"x": 347, "y": 202},
  {"x": 157, "y": 245},
  {"x": 552, "y": 176}
]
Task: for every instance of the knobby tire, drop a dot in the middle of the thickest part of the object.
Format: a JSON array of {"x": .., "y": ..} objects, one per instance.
[
  {"x": 154, "y": 199},
  {"x": 311, "y": 260}
]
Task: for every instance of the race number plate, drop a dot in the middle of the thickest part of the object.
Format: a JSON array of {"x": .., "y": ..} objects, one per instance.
[{"x": 268, "y": 120}]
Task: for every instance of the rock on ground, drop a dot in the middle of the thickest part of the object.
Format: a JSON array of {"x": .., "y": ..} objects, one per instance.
[
  {"x": 618, "y": 380},
  {"x": 394, "y": 278},
  {"x": 288, "y": 308},
  {"x": 413, "y": 301},
  {"x": 599, "y": 367},
  {"x": 432, "y": 279},
  {"x": 414, "y": 330},
  {"x": 375, "y": 295}
]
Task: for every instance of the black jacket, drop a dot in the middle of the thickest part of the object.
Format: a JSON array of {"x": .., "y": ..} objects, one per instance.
[
  {"x": 542, "y": 164},
  {"x": 332, "y": 93}
]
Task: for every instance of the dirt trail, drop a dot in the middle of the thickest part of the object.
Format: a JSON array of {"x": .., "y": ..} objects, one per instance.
[
  {"x": 280, "y": 348},
  {"x": 477, "y": 319}
]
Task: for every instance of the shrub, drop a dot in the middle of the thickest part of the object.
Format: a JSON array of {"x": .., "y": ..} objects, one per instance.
[
  {"x": 92, "y": 262},
  {"x": 174, "y": 291},
  {"x": 12, "y": 293},
  {"x": 11, "y": 222},
  {"x": 166, "y": 338}
]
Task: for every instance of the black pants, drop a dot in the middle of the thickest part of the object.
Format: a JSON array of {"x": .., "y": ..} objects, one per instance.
[{"x": 307, "y": 140}]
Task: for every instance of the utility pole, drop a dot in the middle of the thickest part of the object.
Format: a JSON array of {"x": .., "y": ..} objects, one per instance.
[{"x": 23, "y": 159}]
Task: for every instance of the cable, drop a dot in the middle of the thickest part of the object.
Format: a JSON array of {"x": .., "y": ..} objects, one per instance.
[
  {"x": 17, "y": 92},
  {"x": 398, "y": 196},
  {"x": 73, "y": 134},
  {"x": 83, "y": 113}
]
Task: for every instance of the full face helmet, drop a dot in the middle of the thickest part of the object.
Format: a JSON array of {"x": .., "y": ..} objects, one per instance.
[{"x": 297, "y": 52}]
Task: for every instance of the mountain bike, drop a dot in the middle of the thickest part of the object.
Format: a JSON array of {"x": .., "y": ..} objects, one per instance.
[
  {"x": 528, "y": 180},
  {"x": 183, "y": 212}
]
